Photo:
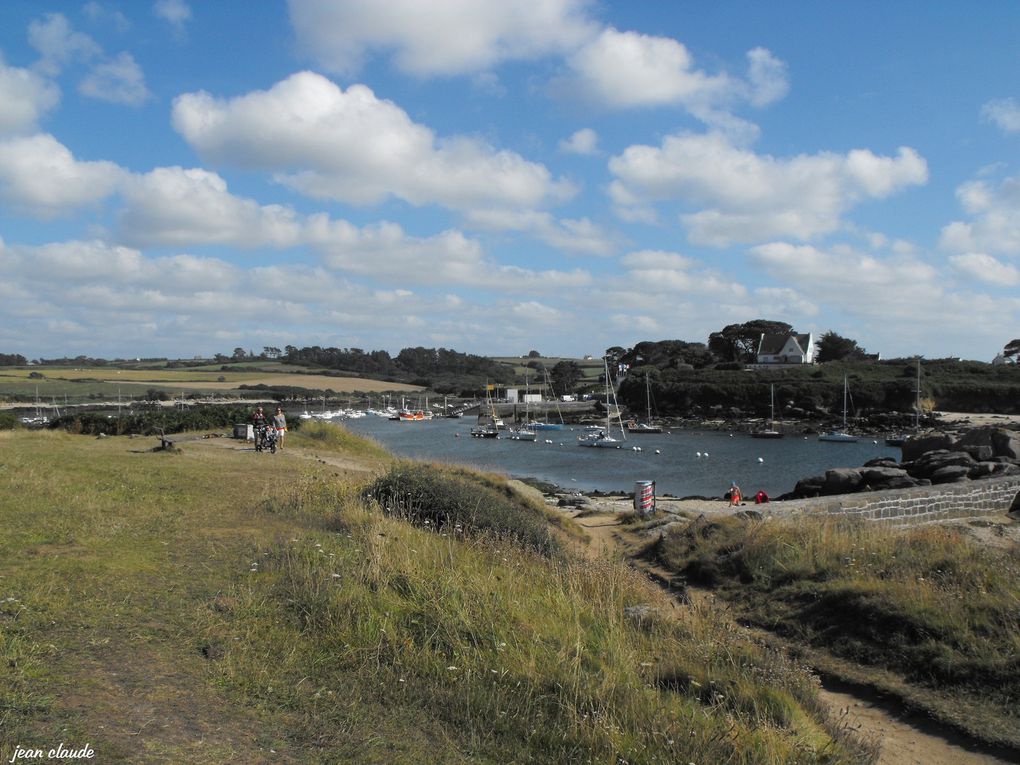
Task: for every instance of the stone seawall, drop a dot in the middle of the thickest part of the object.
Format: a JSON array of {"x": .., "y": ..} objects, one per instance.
[{"x": 993, "y": 496}]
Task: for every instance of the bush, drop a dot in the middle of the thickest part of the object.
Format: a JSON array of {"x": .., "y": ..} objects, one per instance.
[
  {"x": 8, "y": 421},
  {"x": 151, "y": 423},
  {"x": 458, "y": 500}
]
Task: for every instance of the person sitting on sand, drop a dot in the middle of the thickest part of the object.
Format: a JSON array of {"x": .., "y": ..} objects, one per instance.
[{"x": 734, "y": 494}]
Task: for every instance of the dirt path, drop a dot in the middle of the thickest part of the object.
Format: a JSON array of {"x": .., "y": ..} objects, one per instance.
[{"x": 905, "y": 738}]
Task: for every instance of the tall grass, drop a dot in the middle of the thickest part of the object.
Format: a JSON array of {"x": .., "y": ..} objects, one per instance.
[
  {"x": 928, "y": 603},
  {"x": 212, "y": 606},
  {"x": 516, "y": 656}
]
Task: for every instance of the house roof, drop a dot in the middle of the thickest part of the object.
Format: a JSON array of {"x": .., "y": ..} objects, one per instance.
[{"x": 772, "y": 344}]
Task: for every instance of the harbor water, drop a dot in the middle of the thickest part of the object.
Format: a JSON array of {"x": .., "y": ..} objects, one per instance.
[{"x": 681, "y": 462}]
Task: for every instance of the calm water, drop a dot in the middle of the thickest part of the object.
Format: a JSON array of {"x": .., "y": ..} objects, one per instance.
[{"x": 676, "y": 468}]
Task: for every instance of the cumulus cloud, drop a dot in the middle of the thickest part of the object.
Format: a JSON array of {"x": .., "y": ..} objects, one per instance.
[
  {"x": 176, "y": 12},
  {"x": 385, "y": 251},
  {"x": 444, "y": 37},
  {"x": 661, "y": 272},
  {"x": 747, "y": 197},
  {"x": 351, "y": 146},
  {"x": 40, "y": 177},
  {"x": 869, "y": 285},
  {"x": 118, "y": 80},
  {"x": 985, "y": 268},
  {"x": 1003, "y": 113},
  {"x": 621, "y": 70},
  {"x": 24, "y": 98},
  {"x": 585, "y": 141},
  {"x": 994, "y": 224},
  {"x": 626, "y": 69},
  {"x": 186, "y": 207},
  {"x": 58, "y": 44},
  {"x": 579, "y": 236}
]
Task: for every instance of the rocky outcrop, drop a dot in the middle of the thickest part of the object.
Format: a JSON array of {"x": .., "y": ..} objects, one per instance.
[{"x": 940, "y": 459}]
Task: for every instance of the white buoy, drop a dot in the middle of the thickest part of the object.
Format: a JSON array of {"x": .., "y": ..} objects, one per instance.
[
  {"x": 698, "y": 454},
  {"x": 761, "y": 459},
  {"x": 657, "y": 451},
  {"x": 706, "y": 454}
]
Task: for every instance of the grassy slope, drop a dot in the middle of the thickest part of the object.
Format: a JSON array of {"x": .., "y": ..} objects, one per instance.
[
  {"x": 216, "y": 605},
  {"x": 927, "y": 614}
]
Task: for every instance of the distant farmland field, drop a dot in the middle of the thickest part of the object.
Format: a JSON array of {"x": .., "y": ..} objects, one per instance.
[{"x": 82, "y": 383}]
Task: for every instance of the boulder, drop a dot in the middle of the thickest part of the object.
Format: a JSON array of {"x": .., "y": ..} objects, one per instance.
[
  {"x": 841, "y": 481},
  {"x": 926, "y": 465},
  {"x": 916, "y": 447},
  {"x": 879, "y": 478},
  {"x": 809, "y": 487},
  {"x": 1006, "y": 443},
  {"x": 887, "y": 462},
  {"x": 950, "y": 474}
]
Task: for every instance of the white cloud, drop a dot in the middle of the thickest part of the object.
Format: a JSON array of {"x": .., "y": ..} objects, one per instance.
[
  {"x": 100, "y": 14},
  {"x": 385, "y": 252},
  {"x": 24, "y": 98},
  {"x": 58, "y": 44},
  {"x": 867, "y": 285},
  {"x": 176, "y": 12},
  {"x": 627, "y": 69},
  {"x": 660, "y": 272},
  {"x": 746, "y": 197},
  {"x": 1004, "y": 113},
  {"x": 174, "y": 206},
  {"x": 994, "y": 225},
  {"x": 580, "y": 236},
  {"x": 767, "y": 77},
  {"x": 585, "y": 141},
  {"x": 350, "y": 146},
  {"x": 985, "y": 268},
  {"x": 118, "y": 80},
  {"x": 443, "y": 37},
  {"x": 40, "y": 176}
]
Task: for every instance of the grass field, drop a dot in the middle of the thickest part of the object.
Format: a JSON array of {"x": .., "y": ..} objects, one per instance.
[
  {"x": 74, "y": 385},
  {"x": 215, "y": 605},
  {"x": 928, "y": 614}
]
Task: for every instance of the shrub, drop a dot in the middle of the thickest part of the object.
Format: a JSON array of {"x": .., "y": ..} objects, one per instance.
[
  {"x": 8, "y": 421},
  {"x": 458, "y": 500}
]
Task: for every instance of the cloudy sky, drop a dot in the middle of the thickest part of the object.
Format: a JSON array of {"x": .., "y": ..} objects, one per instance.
[{"x": 181, "y": 178}]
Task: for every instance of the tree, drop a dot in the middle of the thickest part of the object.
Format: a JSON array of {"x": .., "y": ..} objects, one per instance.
[
  {"x": 833, "y": 347},
  {"x": 739, "y": 342},
  {"x": 564, "y": 376},
  {"x": 239, "y": 353},
  {"x": 1012, "y": 349},
  {"x": 534, "y": 355}
]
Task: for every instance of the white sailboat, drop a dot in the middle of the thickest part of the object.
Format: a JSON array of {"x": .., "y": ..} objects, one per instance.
[
  {"x": 524, "y": 432},
  {"x": 840, "y": 436},
  {"x": 646, "y": 426},
  {"x": 603, "y": 438},
  {"x": 770, "y": 431}
]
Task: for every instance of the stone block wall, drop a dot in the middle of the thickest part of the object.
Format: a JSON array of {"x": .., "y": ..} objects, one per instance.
[{"x": 993, "y": 496}]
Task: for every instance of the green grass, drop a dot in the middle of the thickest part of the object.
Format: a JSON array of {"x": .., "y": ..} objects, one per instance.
[
  {"x": 221, "y": 606},
  {"x": 932, "y": 607}
]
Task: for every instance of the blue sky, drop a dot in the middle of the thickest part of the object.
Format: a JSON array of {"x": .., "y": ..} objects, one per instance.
[{"x": 181, "y": 178}]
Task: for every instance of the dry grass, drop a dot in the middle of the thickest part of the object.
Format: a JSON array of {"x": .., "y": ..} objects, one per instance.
[{"x": 222, "y": 606}]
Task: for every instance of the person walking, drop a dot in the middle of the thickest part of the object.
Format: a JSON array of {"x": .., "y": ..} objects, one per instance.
[{"x": 280, "y": 424}]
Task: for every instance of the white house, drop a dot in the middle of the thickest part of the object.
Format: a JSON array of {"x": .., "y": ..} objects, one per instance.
[{"x": 786, "y": 349}]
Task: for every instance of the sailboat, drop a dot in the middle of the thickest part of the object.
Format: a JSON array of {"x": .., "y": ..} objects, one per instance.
[
  {"x": 546, "y": 425},
  {"x": 840, "y": 436},
  {"x": 898, "y": 439},
  {"x": 488, "y": 424},
  {"x": 603, "y": 438},
  {"x": 770, "y": 431},
  {"x": 646, "y": 426},
  {"x": 525, "y": 432}
]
